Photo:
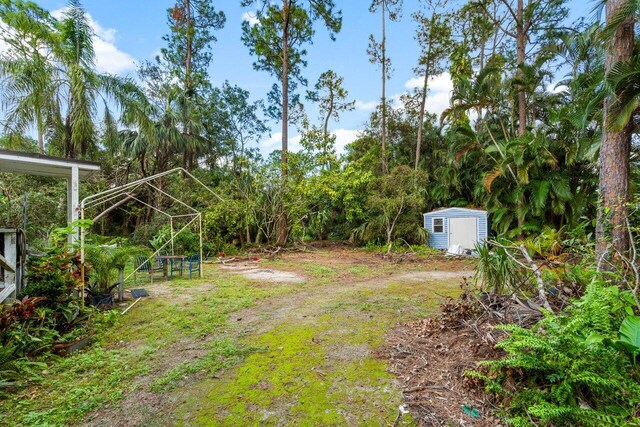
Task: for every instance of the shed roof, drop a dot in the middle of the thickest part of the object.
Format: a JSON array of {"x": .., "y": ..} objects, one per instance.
[
  {"x": 441, "y": 210},
  {"x": 43, "y": 165}
]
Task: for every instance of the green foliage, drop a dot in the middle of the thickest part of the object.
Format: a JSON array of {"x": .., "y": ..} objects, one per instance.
[
  {"x": 185, "y": 243},
  {"x": 46, "y": 312},
  {"x": 629, "y": 337},
  {"x": 224, "y": 222},
  {"x": 395, "y": 197},
  {"x": 630, "y": 334},
  {"x": 496, "y": 271},
  {"x": 105, "y": 261},
  {"x": 561, "y": 372}
]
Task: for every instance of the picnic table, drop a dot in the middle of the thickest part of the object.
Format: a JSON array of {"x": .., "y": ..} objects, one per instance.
[{"x": 166, "y": 259}]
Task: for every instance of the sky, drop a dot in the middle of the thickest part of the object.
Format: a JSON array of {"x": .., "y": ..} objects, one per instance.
[{"x": 129, "y": 32}]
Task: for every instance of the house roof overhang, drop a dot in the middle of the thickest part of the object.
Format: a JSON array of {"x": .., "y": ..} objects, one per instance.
[{"x": 42, "y": 165}]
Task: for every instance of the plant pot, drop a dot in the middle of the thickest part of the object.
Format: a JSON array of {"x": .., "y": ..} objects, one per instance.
[{"x": 105, "y": 300}]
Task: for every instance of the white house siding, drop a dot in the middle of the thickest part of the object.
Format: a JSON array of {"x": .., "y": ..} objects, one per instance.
[{"x": 441, "y": 240}]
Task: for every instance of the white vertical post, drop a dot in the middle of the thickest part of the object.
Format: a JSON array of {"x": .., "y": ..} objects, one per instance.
[
  {"x": 171, "y": 222},
  {"x": 201, "y": 259},
  {"x": 73, "y": 190}
]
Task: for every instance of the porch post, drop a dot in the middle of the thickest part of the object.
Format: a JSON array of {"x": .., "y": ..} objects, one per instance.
[{"x": 73, "y": 186}]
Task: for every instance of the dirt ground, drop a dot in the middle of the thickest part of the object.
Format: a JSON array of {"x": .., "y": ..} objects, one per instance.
[
  {"x": 316, "y": 339},
  {"x": 431, "y": 360}
]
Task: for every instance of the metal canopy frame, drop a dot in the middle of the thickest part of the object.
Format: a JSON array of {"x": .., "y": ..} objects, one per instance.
[
  {"x": 72, "y": 170},
  {"x": 124, "y": 193}
]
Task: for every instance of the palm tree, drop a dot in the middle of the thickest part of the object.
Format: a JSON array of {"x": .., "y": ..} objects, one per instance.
[
  {"x": 52, "y": 83},
  {"x": 28, "y": 96},
  {"x": 26, "y": 74}
]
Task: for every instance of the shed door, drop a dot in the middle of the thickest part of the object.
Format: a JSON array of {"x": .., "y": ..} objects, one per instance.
[{"x": 463, "y": 232}]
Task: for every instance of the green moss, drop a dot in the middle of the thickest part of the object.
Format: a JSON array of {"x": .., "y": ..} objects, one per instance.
[
  {"x": 222, "y": 353},
  {"x": 73, "y": 386},
  {"x": 314, "y": 366},
  {"x": 319, "y": 371}
]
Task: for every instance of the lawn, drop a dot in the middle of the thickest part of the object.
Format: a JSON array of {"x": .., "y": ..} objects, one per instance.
[{"x": 230, "y": 349}]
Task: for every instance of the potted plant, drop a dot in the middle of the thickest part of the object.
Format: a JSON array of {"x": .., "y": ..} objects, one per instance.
[{"x": 106, "y": 261}]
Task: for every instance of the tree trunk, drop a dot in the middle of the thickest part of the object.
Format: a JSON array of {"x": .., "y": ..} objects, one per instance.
[
  {"x": 282, "y": 228},
  {"x": 611, "y": 227},
  {"x": 423, "y": 102},
  {"x": 521, "y": 48},
  {"x": 189, "y": 48},
  {"x": 383, "y": 47},
  {"x": 187, "y": 80},
  {"x": 325, "y": 135},
  {"x": 40, "y": 131}
]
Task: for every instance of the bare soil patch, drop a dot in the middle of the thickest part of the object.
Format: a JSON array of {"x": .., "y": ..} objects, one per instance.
[
  {"x": 253, "y": 272},
  {"x": 430, "y": 358}
]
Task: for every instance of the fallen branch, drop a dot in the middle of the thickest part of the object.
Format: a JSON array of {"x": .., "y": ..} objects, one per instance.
[
  {"x": 532, "y": 267},
  {"x": 536, "y": 272}
]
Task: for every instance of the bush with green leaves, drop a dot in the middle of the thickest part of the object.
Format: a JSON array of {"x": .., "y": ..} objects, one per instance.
[
  {"x": 185, "y": 243},
  {"x": 571, "y": 369},
  {"x": 105, "y": 261},
  {"x": 497, "y": 272}
]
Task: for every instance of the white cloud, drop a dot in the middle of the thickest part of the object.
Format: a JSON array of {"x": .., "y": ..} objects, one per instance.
[
  {"x": 250, "y": 17},
  {"x": 109, "y": 59},
  {"x": 440, "y": 83},
  {"x": 396, "y": 100},
  {"x": 439, "y": 95},
  {"x": 440, "y": 88},
  {"x": 366, "y": 105},
  {"x": 345, "y": 137},
  {"x": 556, "y": 88},
  {"x": 275, "y": 143}
]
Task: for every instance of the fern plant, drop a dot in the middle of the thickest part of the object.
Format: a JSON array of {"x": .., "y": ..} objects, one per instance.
[{"x": 561, "y": 372}]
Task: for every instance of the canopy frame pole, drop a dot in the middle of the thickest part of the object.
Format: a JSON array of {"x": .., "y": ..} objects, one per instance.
[{"x": 125, "y": 190}]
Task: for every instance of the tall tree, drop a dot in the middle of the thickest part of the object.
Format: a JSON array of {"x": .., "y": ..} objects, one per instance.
[
  {"x": 378, "y": 55},
  {"x": 277, "y": 40},
  {"x": 331, "y": 97},
  {"x": 529, "y": 26},
  {"x": 68, "y": 89},
  {"x": 236, "y": 122},
  {"x": 616, "y": 141},
  {"x": 434, "y": 38},
  {"x": 188, "y": 55},
  {"x": 192, "y": 24},
  {"x": 26, "y": 74}
]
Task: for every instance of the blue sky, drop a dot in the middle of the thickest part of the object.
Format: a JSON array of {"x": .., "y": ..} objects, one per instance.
[{"x": 130, "y": 31}]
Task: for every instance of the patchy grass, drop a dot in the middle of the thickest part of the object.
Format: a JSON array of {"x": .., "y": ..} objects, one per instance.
[
  {"x": 320, "y": 271},
  {"x": 320, "y": 370},
  {"x": 225, "y": 350},
  {"x": 74, "y": 386},
  {"x": 319, "y": 373},
  {"x": 221, "y": 353},
  {"x": 135, "y": 347}
]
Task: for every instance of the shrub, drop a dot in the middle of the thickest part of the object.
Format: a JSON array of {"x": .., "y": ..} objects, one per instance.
[
  {"x": 497, "y": 272},
  {"x": 567, "y": 370},
  {"x": 186, "y": 243}
]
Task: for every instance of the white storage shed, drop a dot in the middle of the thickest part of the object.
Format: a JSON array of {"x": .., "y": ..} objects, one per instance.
[{"x": 456, "y": 226}]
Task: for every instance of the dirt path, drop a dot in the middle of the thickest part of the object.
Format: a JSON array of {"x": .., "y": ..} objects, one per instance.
[
  {"x": 310, "y": 343},
  {"x": 305, "y": 303}
]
